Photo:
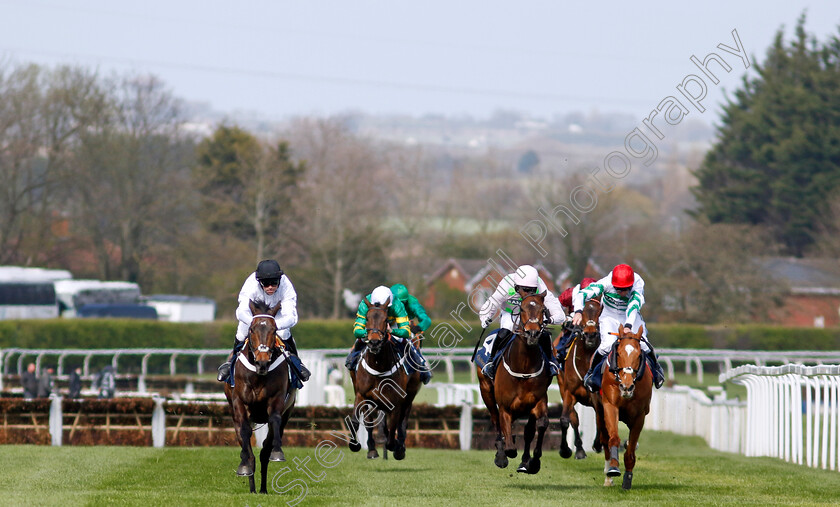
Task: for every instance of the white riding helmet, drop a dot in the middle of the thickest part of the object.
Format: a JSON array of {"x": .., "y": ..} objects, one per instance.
[
  {"x": 380, "y": 295},
  {"x": 526, "y": 276}
]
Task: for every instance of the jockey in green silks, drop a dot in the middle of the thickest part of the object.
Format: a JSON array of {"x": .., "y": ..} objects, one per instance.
[{"x": 400, "y": 330}]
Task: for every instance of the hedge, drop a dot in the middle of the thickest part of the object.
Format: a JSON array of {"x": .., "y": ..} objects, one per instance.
[{"x": 122, "y": 333}]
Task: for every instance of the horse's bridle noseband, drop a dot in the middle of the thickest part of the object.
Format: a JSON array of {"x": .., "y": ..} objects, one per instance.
[{"x": 627, "y": 369}]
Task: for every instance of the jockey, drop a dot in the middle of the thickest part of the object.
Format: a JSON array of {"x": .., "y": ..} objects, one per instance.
[
  {"x": 507, "y": 298},
  {"x": 269, "y": 285},
  {"x": 566, "y": 298},
  {"x": 623, "y": 296},
  {"x": 400, "y": 330},
  {"x": 413, "y": 308}
]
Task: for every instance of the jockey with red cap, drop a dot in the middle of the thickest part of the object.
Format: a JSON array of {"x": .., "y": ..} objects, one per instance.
[
  {"x": 623, "y": 295},
  {"x": 566, "y": 298}
]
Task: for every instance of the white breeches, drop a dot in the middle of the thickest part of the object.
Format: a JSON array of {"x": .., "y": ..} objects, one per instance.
[{"x": 609, "y": 323}]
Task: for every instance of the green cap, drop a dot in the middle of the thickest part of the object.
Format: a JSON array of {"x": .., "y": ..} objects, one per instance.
[{"x": 400, "y": 291}]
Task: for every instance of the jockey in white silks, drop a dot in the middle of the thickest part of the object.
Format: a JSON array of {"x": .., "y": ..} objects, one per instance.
[{"x": 506, "y": 297}]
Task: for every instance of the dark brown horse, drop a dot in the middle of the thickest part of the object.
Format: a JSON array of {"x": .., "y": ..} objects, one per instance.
[
  {"x": 384, "y": 391},
  {"x": 262, "y": 394},
  {"x": 625, "y": 396},
  {"x": 521, "y": 387},
  {"x": 579, "y": 354}
]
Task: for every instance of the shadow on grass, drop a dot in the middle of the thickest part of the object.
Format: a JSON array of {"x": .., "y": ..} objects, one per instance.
[{"x": 555, "y": 487}]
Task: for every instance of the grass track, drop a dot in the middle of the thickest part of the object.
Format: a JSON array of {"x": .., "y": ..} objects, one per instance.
[{"x": 671, "y": 470}]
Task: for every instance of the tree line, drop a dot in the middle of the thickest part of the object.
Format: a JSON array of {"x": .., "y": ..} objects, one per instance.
[{"x": 105, "y": 177}]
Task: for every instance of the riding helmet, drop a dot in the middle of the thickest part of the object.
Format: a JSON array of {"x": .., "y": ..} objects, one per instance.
[
  {"x": 268, "y": 269},
  {"x": 400, "y": 291},
  {"x": 622, "y": 276}
]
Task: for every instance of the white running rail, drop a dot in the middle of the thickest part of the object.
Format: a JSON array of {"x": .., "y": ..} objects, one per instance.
[{"x": 792, "y": 412}]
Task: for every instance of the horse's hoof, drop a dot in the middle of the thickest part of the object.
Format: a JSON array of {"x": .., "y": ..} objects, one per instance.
[
  {"x": 565, "y": 452},
  {"x": 523, "y": 468},
  {"x": 597, "y": 447},
  {"x": 277, "y": 456},
  {"x": 399, "y": 453},
  {"x": 628, "y": 480},
  {"x": 613, "y": 472},
  {"x": 534, "y": 466},
  {"x": 580, "y": 454},
  {"x": 244, "y": 471},
  {"x": 510, "y": 453},
  {"x": 355, "y": 446},
  {"x": 608, "y": 481},
  {"x": 391, "y": 446},
  {"x": 263, "y": 491},
  {"x": 501, "y": 460},
  {"x": 372, "y": 454}
]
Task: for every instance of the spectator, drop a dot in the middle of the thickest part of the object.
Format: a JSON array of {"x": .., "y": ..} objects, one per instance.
[
  {"x": 75, "y": 383},
  {"x": 106, "y": 381},
  {"x": 29, "y": 382},
  {"x": 45, "y": 383}
]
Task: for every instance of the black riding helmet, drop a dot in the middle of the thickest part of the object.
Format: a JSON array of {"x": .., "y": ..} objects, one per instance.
[{"x": 268, "y": 270}]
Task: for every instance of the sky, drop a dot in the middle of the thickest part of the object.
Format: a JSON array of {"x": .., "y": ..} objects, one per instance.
[{"x": 448, "y": 57}]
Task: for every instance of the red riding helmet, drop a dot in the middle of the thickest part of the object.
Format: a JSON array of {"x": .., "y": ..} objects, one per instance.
[
  {"x": 566, "y": 298},
  {"x": 585, "y": 282},
  {"x": 622, "y": 276}
]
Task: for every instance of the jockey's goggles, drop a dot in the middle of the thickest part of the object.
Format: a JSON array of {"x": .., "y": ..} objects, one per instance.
[
  {"x": 270, "y": 282},
  {"x": 623, "y": 289},
  {"x": 527, "y": 290}
]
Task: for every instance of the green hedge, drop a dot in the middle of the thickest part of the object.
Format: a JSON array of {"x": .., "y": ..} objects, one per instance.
[{"x": 115, "y": 333}]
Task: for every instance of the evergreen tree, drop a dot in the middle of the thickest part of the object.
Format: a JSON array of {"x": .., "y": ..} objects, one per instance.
[{"x": 777, "y": 158}]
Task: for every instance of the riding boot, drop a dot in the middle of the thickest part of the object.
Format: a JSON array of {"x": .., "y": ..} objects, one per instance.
[
  {"x": 545, "y": 344},
  {"x": 656, "y": 369},
  {"x": 588, "y": 379},
  {"x": 418, "y": 362},
  {"x": 224, "y": 369},
  {"x": 562, "y": 349},
  {"x": 353, "y": 356},
  {"x": 303, "y": 372},
  {"x": 499, "y": 343}
]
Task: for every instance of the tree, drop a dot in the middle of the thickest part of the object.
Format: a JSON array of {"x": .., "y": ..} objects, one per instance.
[
  {"x": 247, "y": 187},
  {"x": 777, "y": 159},
  {"x": 343, "y": 207},
  {"x": 131, "y": 181}
]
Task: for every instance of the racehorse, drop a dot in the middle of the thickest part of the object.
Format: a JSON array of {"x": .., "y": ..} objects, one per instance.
[
  {"x": 262, "y": 393},
  {"x": 382, "y": 386},
  {"x": 625, "y": 396},
  {"x": 521, "y": 386},
  {"x": 570, "y": 381}
]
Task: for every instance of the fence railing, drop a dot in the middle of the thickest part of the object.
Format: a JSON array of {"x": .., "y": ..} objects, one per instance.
[
  {"x": 695, "y": 361},
  {"x": 792, "y": 412}
]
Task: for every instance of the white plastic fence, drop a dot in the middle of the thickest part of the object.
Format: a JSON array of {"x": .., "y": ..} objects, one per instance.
[{"x": 792, "y": 412}]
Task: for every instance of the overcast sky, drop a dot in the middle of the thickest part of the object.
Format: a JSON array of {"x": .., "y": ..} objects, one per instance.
[{"x": 450, "y": 57}]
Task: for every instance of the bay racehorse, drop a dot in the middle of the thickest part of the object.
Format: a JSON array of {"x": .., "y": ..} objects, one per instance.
[
  {"x": 585, "y": 342},
  {"x": 384, "y": 390},
  {"x": 520, "y": 387},
  {"x": 625, "y": 396},
  {"x": 262, "y": 393}
]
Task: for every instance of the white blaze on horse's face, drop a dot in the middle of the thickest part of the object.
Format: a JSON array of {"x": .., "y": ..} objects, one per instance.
[{"x": 628, "y": 349}]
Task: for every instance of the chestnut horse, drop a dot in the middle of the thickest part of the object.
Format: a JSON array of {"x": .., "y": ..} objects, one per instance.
[
  {"x": 382, "y": 386},
  {"x": 262, "y": 393},
  {"x": 625, "y": 396},
  {"x": 570, "y": 381},
  {"x": 520, "y": 387}
]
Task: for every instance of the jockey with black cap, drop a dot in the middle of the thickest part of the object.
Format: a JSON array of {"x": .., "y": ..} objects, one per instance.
[
  {"x": 269, "y": 285},
  {"x": 508, "y": 299}
]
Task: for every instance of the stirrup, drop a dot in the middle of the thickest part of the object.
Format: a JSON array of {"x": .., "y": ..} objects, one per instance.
[{"x": 487, "y": 370}]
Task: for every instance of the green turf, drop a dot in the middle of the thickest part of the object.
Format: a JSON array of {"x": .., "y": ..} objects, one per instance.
[{"x": 671, "y": 470}]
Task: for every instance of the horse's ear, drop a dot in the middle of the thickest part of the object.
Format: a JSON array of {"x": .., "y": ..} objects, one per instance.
[
  {"x": 273, "y": 311},
  {"x": 367, "y": 302},
  {"x": 387, "y": 302},
  {"x": 253, "y": 306},
  {"x": 543, "y": 293},
  {"x": 640, "y": 332}
]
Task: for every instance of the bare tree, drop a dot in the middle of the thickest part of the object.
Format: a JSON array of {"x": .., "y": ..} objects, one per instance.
[{"x": 131, "y": 177}]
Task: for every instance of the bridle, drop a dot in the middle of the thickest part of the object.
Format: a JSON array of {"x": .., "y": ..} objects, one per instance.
[{"x": 636, "y": 373}]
